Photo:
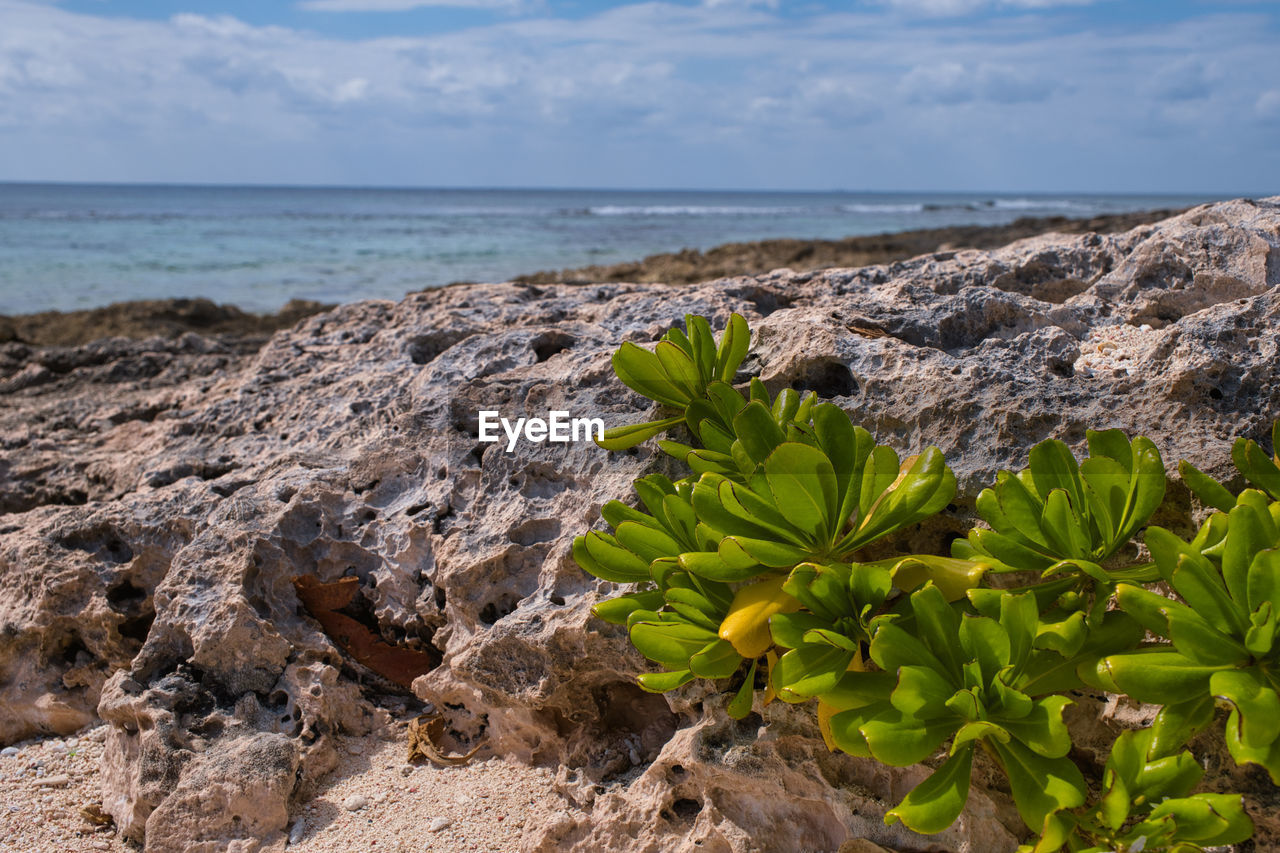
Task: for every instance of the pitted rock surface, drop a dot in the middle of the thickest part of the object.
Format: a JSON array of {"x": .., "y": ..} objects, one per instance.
[{"x": 157, "y": 498}]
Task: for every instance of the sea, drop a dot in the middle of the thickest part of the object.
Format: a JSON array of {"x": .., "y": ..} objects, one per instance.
[{"x": 73, "y": 246}]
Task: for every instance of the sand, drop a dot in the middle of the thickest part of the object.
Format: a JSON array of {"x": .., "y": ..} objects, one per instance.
[{"x": 373, "y": 801}]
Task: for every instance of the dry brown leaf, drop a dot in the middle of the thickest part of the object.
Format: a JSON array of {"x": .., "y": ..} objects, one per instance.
[
  {"x": 94, "y": 814},
  {"x": 394, "y": 663},
  {"x": 424, "y": 742}
]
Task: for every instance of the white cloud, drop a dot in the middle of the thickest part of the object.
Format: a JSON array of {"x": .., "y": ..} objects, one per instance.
[
  {"x": 1267, "y": 107},
  {"x": 400, "y": 5},
  {"x": 956, "y": 8},
  {"x": 653, "y": 93}
]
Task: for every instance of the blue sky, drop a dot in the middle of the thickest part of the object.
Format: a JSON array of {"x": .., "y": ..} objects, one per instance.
[{"x": 997, "y": 95}]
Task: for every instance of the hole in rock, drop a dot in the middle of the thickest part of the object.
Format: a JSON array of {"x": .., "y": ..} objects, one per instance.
[
  {"x": 686, "y": 809},
  {"x": 495, "y": 610},
  {"x": 534, "y": 531},
  {"x": 101, "y": 541},
  {"x": 125, "y": 595},
  {"x": 424, "y": 349},
  {"x": 557, "y": 600},
  {"x": 827, "y": 379},
  {"x": 1215, "y": 393},
  {"x": 137, "y": 627},
  {"x": 627, "y": 710},
  {"x": 766, "y": 301},
  {"x": 551, "y": 343},
  {"x": 72, "y": 649}
]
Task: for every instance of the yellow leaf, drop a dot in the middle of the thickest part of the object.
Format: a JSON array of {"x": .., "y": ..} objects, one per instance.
[
  {"x": 826, "y": 710},
  {"x": 952, "y": 576},
  {"x": 747, "y": 625}
]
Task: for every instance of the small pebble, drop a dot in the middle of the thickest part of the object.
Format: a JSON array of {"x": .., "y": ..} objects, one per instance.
[
  {"x": 407, "y": 770},
  {"x": 299, "y": 830},
  {"x": 9, "y": 750},
  {"x": 101, "y": 845},
  {"x": 355, "y": 748},
  {"x": 439, "y": 824},
  {"x": 355, "y": 802},
  {"x": 53, "y": 782}
]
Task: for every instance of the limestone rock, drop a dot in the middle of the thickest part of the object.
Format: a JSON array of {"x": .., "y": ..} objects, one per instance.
[{"x": 157, "y": 498}]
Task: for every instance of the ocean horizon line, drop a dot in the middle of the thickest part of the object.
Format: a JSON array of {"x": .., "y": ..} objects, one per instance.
[{"x": 532, "y": 188}]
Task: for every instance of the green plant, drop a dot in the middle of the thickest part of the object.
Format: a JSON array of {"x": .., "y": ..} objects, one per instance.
[{"x": 754, "y": 571}]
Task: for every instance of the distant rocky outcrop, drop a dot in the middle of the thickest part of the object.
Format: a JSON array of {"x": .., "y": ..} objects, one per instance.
[
  {"x": 157, "y": 498},
  {"x": 689, "y": 266},
  {"x": 169, "y": 318}
]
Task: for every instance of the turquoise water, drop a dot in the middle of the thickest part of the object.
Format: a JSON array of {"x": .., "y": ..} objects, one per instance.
[{"x": 66, "y": 246}]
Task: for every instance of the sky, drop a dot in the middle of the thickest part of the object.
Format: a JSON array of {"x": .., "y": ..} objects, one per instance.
[{"x": 1177, "y": 96}]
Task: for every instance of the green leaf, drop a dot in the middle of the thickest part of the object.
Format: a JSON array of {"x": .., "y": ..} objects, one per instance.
[
  {"x": 601, "y": 556},
  {"x": 680, "y": 369},
  {"x": 1040, "y": 785},
  {"x": 1200, "y": 641},
  {"x": 733, "y": 347},
  {"x": 671, "y": 644},
  {"x": 1196, "y": 581},
  {"x": 740, "y": 705},
  {"x": 810, "y": 670},
  {"x": 756, "y": 429},
  {"x": 661, "y": 682},
  {"x": 1178, "y": 723},
  {"x": 616, "y": 610},
  {"x": 1112, "y": 444},
  {"x": 1246, "y": 536},
  {"x": 1263, "y": 579},
  {"x": 704, "y": 346},
  {"x": 743, "y": 552},
  {"x": 645, "y": 542},
  {"x": 1156, "y": 676},
  {"x": 1064, "y": 636},
  {"x": 1019, "y": 617},
  {"x": 623, "y": 437},
  {"x": 803, "y": 484},
  {"x": 893, "y": 648},
  {"x": 921, "y": 692},
  {"x": 788, "y": 629},
  {"x": 935, "y": 803},
  {"x": 985, "y": 642},
  {"x": 1043, "y": 729},
  {"x": 900, "y": 740},
  {"x": 1021, "y": 510},
  {"x": 1009, "y": 551},
  {"x": 1147, "y": 490},
  {"x": 642, "y": 372},
  {"x": 712, "y": 566},
  {"x": 937, "y": 625},
  {"x": 1209, "y": 820},
  {"x": 1252, "y": 461},
  {"x": 1210, "y": 492},
  {"x": 1257, "y": 707},
  {"x": 717, "y": 660},
  {"x": 1054, "y": 467},
  {"x": 1062, "y": 527}
]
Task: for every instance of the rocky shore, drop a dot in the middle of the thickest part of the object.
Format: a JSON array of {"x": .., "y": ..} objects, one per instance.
[
  {"x": 173, "y": 317},
  {"x": 159, "y": 497}
]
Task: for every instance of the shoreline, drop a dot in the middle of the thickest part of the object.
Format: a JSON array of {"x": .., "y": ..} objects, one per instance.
[{"x": 171, "y": 318}]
